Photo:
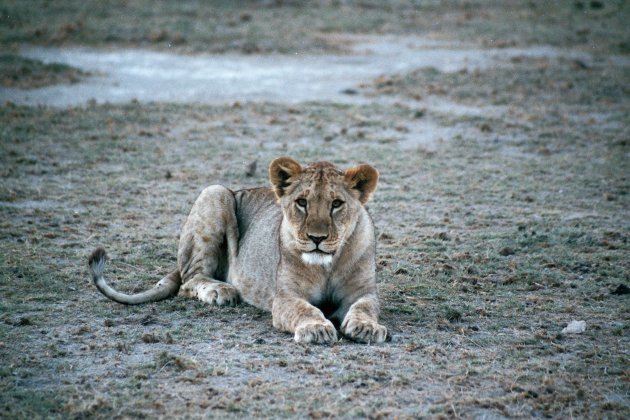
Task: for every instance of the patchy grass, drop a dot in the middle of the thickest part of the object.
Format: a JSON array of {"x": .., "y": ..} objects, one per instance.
[
  {"x": 545, "y": 81},
  {"x": 290, "y": 27},
  {"x": 489, "y": 244},
  {"x": 24, "y": 73},
  {"x": 218, "y": 26}
]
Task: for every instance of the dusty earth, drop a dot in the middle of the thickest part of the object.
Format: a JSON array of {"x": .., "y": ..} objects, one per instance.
[{"x": 502, "y": 215}]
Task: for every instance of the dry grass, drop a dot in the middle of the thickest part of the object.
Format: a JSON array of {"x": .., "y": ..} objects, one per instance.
[
  {"x": 488, "y": 246},
  {"x": 293, "y": 26},
  {"x": 24, "y": 73}
]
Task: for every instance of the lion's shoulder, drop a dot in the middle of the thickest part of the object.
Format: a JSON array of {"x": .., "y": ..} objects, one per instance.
[
  {"x": 255, "y": 205},
  {"x": 255, "y": 197}
]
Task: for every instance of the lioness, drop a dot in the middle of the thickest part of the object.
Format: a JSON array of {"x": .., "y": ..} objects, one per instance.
[{"x": 304, "y": 249}]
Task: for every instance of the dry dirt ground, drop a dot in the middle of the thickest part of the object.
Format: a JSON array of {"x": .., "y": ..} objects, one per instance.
[{"x": 499, "y": 219}]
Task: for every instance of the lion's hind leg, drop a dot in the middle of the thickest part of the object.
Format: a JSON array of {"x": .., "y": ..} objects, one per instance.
[{"x": 207, "y": 245}]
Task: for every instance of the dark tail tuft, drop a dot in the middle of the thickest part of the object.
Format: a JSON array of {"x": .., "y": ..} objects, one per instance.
[
  {"x": 96, "y": 262},
  {"x": 98, "y": 255}
]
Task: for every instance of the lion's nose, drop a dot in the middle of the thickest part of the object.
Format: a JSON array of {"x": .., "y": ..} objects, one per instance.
[{"x": 317, "y": 239}]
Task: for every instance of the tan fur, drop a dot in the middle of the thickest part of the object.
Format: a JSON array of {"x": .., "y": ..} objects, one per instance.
[{"x": 304, "y": 250}]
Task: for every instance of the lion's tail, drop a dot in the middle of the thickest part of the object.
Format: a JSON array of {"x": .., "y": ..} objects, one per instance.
[{"x": 165, "y": 288}]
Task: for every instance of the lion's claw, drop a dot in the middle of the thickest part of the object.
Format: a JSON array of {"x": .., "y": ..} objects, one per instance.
[
  {"x": 316, "y": 332},
  {"x": 364, "y": 331}
]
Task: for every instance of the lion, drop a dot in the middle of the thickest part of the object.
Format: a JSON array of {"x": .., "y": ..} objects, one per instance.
[{"x": 303, "y": 249}]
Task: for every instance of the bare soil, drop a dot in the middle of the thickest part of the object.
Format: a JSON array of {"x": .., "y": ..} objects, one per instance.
[{"x": 500, "y": 219}]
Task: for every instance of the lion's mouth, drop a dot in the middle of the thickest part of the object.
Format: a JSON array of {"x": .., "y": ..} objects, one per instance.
[{"x": 318, "y": 251}]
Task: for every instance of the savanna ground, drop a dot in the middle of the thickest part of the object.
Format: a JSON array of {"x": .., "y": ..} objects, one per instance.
[{"x": 495, "y": 232}]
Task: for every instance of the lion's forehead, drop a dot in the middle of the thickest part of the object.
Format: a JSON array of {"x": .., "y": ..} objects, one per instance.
[
  {"x": 322, "y": 180},
  {"x": 322, "y": 170},
  {"x": 318, "y": 190}
]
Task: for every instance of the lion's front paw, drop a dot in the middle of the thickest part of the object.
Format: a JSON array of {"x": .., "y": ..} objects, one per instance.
[
  {"x": 364, "y": 331},
  {"x": 318, "y": 332},
  {"x": 218, "y": 294}
]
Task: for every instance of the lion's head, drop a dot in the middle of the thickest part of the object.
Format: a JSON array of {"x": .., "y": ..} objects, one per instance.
[{"x": 321, "y": 203}]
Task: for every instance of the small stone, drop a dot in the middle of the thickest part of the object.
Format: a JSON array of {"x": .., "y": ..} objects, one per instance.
[{"x": 575, "y": 327}]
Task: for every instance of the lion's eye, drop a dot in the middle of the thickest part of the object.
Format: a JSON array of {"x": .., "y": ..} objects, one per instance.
[
  {"x": 301, "y": 202},
  {"x": 336, "y": 204}
]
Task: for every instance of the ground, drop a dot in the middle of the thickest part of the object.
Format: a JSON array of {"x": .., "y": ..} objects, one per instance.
[{"x": 500, "y": 219}]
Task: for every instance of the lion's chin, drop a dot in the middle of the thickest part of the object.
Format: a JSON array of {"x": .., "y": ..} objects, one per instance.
[{"x": 317, "y": 258}]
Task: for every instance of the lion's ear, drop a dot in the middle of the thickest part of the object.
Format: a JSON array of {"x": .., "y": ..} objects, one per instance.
[
  {"x": 363, "y": 179},
  {"x": 281, "y": 171}
]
